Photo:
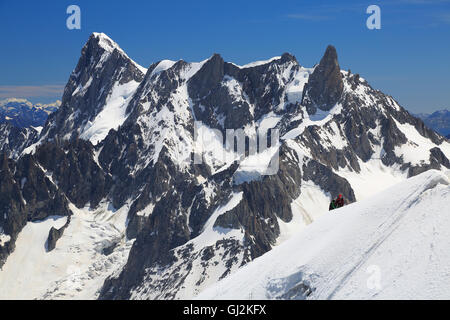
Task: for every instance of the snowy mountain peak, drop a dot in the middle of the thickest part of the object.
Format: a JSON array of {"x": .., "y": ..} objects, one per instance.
[
  {"x": 109, "y": 45},
  {"x": 97, "y": 93},
  {"x": 330, "y": 56},
  {"x": 52, "y": 105},
  {"x": 106, "y": 42},
  {"x": 10, "y": 101},
  {"x": 285, "y": 57},
  {"x": 160, "y": 67},
  {"x": 281, "y": 59}
]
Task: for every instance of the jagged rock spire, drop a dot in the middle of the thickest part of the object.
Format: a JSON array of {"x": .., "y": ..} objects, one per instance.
[{"x": 325, "y": 85}]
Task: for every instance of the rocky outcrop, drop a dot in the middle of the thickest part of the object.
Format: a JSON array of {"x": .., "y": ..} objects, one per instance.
[
  {"x": 13, "y": 215},
  {"x": 75, "y": 171},
  {"x": 14, "y": 140},
  {"x": 233, "y": 97},
  {"x": 438, "y": 160},
  {"x": 328, "y": 181},
  {"x": 207, "y": 78},
  {"x": 325, "y": 85},
  {"x": 54, "y": 235},
  {"x": 263, "y": 202},
  {"x": 26, "y": 194}
]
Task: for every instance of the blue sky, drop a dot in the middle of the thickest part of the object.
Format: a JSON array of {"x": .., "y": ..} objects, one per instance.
[{"x": 408, "y": 58}]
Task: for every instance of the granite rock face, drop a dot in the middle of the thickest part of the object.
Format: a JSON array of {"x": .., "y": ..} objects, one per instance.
[
  {"x": 325, "y": 85},
  {"x": 55, "y": 234},
  {"x": 14, "y": 140}
]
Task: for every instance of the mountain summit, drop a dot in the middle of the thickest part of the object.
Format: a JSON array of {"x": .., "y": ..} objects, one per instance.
[
  {"x": 98, "y": 90},
  {"x": 325, "y": 85}
]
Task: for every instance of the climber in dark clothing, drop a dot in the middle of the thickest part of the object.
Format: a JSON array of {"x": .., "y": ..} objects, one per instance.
[{"x": 337, "y": 203}]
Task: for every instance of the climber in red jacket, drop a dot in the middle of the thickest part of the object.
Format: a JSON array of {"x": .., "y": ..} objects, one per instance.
[{"x": 337, "y": 203}]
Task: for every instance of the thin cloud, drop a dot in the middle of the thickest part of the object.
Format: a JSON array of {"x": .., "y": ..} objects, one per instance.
[
  {"x": 429, "y": 2},
  {"x": 324, "y": 12},
  {"x": 308, "y": 17},
  {"x": 31, "y": 91},
  {"x": 444, "y": 17}
]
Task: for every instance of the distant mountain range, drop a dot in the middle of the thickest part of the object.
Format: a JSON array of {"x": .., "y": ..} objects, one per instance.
[
  {"x": 22, "y": 113},
  {"x": 439, "y": 121}
]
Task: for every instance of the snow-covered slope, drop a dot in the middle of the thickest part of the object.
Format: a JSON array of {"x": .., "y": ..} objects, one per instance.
[
  {"x": 92, "y": 247},
  {"x": 391, "y": 246},
  {"x": 13, "y": 140}
]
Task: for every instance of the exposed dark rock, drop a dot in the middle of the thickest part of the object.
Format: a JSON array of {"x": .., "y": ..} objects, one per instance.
[
  {"x": 13, "y": 215},
  {"x": 437, "y": 159},
  {"x": 26, "y": 194},
  {"x": 109, "y": 249},
  {"x": 300, "y": 291},
  {"x": 263, "y": 202},
  {"x": 327, "y": 180},
  {"x": 207, "y": 78},
  {"x": 325, "y": 85},
  {"x": 72, "y": 165},
  {"x": 217, "y": 108},
  {"x": 54, "y": 235},
  {"x": 13, "y": 140}
]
